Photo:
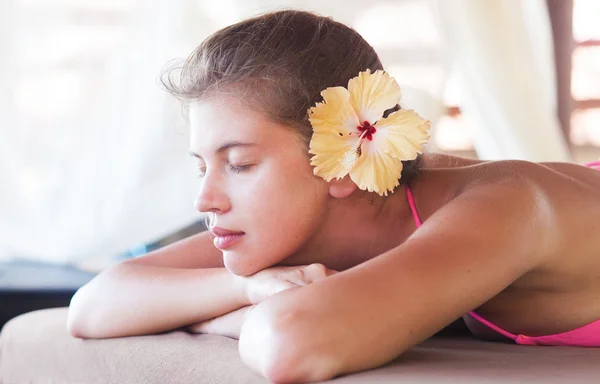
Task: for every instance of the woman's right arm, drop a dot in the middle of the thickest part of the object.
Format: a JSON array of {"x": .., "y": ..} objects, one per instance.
[{"x": 169, "y": 288}]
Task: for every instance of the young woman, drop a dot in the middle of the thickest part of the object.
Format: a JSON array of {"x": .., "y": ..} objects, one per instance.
[{"x": 334, "y": 243}]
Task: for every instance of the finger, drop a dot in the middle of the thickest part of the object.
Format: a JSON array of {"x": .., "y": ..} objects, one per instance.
[
  {"x": 315, "y": 272},
  {"x": 296, "y": 277},
  {"x": 283, "y": 285}
]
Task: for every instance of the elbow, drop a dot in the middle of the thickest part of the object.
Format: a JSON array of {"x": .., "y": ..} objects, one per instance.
[
  {"x": 75, "y": 329},
  {"x": 275, "y": 344},
  {"x": 75, "y": 323},
  {"x": 78, "y": 317},
  {"x": 89, "y": 316},
  {"x": 88, "y": 323}
]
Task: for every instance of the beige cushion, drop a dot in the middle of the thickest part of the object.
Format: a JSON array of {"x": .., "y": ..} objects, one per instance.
[{"x": 36, "y": 348}]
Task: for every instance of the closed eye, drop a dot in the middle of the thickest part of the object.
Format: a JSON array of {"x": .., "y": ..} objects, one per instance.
[
  {"x": 239, "y": 168},
  {"x": 233, "y": 168}
]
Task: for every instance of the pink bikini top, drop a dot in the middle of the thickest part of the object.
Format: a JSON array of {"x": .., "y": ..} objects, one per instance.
[{"x": 586, "y": 336}]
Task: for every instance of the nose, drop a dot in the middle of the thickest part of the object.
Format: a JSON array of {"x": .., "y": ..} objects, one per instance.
[{"x": 212, "y": 198}]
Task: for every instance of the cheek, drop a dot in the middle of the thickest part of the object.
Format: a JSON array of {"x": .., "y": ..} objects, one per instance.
[
  {"x": 293, "y": 207},
  {"x": 294, "y": 189},
  {"x": 285, "y": 213},
  {"x": 282, "y": 188}
]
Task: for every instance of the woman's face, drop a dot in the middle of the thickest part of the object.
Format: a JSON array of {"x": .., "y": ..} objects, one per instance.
[{"x": 257, "y": 182}]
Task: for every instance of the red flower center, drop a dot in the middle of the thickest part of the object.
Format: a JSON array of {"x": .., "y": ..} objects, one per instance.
[{"x": 369, "y": 128}]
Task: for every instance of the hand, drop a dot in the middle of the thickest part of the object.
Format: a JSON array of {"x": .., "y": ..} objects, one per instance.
[
  {"x": 229, "y": 324},
  {"x": 273, "y": 280},
  {"x": 258, "y": 287}
]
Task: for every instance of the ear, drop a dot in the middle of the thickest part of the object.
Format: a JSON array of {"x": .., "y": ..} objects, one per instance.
[{"x": 342, "y": 188}]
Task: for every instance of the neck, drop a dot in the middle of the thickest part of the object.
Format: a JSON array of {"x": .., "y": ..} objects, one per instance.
[{"x": 358, "y": 228}]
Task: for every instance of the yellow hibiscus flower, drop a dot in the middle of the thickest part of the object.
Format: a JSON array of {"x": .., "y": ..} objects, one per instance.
[{"x": 350, "y": 135}]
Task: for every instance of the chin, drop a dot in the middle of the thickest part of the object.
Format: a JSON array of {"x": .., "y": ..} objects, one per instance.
[{"x": 239, "y": 265}]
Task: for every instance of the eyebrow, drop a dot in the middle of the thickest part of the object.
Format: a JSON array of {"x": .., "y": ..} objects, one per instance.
[{"x": 228, "y": 145}]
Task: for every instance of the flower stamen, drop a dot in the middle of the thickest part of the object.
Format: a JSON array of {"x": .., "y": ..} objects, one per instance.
[
  {"x": 350, "y": 158},
  {"x": 367, "y": 128}
]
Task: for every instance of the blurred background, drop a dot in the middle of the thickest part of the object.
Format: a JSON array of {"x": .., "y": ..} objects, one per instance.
[{"x": 93, "y": 154}]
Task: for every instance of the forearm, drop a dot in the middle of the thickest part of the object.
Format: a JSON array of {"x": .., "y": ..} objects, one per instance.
[
  {"x": 129, "y": 300},
  {"x": 229, "y": 325}
]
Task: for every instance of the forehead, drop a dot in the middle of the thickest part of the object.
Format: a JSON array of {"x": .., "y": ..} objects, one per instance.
[
  {"x": 217, "y": 121},
  {"x": 218, "y": 117}
]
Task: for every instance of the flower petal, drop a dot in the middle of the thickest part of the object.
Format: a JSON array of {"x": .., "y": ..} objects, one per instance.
[
  {"x": 401, "y": 135},
  {"x": 377, "y": 172},
  {"x": 373, "y": 94},
  {"x": 329, "y": 149},
  {"x": 335, "y": 113}
]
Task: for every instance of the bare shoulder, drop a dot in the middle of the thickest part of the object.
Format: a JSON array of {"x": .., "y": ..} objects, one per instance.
[
  {"x": 562, "y": 199},
  {"x": 489, "y": 200},
  {"x": 522, "y": 194},
  {"x": 445, "y": 178},
  {"x": 545, "y": 172},
  {"x": 434, "y": 160},
  {"x": 558, "y": 181},
  {"x": 571, "y": 172}
]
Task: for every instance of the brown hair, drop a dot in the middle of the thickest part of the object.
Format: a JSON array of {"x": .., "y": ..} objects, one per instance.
[{"x": 278, "y": 63}]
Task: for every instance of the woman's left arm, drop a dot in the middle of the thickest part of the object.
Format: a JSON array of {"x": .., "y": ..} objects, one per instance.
[{"x": 463, "y": 255}]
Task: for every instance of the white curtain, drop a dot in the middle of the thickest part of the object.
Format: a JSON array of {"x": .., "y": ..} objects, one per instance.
[
  {"x": 92, "y": 161},
  {"x": 502, "y": 53}
]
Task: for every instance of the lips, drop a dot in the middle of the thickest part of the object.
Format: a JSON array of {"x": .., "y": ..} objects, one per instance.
[{"x": 225, "y": 238}]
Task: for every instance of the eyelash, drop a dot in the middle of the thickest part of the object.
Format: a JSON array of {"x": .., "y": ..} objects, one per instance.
[
  {"x": 238, "y": 168},
  {"x": 233, "y": 168}
]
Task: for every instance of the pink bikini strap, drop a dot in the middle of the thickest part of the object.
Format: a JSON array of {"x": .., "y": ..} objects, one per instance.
[
  {"x": 413, "y": 208},
  {"x": 493, "y": 326},
  {"x": 593, "y": 164}
]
